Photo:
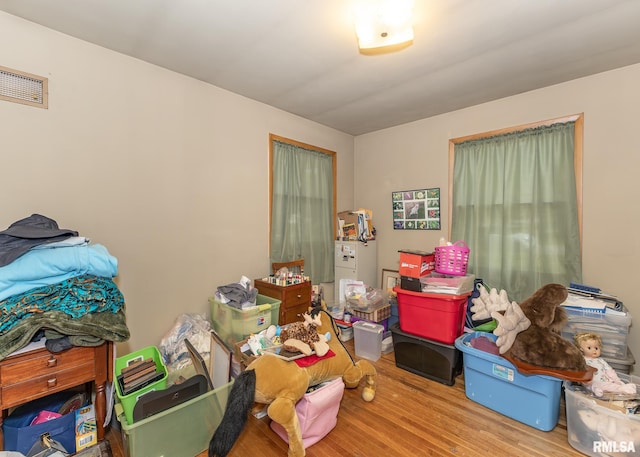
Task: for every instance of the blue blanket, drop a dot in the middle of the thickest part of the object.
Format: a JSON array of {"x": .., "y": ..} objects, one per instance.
[{"x": 44, "y": 267}]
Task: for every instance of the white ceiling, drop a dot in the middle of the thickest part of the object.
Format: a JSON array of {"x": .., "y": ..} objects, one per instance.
[{"x": 301, "y": 55}]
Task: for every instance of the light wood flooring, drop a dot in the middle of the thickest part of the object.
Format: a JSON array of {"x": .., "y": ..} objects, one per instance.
[{"x": 411, "y": 416}]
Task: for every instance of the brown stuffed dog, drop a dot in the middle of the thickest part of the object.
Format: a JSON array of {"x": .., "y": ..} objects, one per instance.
[{"x": 541, "y": 344}]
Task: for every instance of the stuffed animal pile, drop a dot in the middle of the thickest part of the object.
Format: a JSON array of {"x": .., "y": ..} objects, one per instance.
[
  {"x": 304, "y": 337},
  {"x": 530, "y": 332},
  {"x": 279, "y": 383}
]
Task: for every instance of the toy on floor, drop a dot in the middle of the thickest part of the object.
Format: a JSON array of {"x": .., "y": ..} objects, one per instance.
[
  {"x": 605, "y": 379},
  {"x": 280, "y": 384}
]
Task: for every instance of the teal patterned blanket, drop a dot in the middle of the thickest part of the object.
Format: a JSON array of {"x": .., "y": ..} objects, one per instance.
[{"x": 89, "y": 308}]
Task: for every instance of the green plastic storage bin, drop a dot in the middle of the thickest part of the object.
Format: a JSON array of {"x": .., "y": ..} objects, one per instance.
[
  {"x": 234, "y": 325},
  {"x": 181, "y": 431},
  {"x": 129, "y": 401}
]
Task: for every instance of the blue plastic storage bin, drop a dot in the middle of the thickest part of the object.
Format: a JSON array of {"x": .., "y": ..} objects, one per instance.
[{"x": 494, "y": 382}]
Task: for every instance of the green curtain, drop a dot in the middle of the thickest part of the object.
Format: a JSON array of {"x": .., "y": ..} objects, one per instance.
[
  {"x": 302, "y": 209},
  {"x": 514, "y": 204}
]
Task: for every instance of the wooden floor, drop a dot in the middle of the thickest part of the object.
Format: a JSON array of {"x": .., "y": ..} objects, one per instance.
[{"x": 411, "y": 416}]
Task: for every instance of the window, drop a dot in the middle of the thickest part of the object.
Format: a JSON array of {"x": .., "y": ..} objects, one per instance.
[
  {"x": 303, "y": 206},
  {"x": 515, "y": 199}
]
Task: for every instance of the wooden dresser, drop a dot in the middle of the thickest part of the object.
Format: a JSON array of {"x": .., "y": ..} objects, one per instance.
[
  {"x": 38, "y": 373},
  {"x": 295, "y": 298}
]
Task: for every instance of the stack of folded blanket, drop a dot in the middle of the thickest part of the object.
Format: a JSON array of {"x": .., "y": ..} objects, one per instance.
[{"x": 56, "y": 284}]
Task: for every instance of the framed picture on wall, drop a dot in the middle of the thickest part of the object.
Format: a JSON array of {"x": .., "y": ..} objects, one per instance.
[
  {"x": 416, "y": 209},
  {"x": 390, "y": 279}
]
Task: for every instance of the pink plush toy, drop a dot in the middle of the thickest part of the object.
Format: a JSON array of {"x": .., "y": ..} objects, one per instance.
[{"x": 605, "y": 379}]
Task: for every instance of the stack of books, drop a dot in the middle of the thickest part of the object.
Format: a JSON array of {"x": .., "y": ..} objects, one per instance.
[
  {"x": 139, "y": 375},
  {"x": 592, "y": 300}
]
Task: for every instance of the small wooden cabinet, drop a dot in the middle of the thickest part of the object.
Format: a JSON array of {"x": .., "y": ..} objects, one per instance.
[
  {"x": 295, "y": 298},
  {"x": 37, "y": 373}
]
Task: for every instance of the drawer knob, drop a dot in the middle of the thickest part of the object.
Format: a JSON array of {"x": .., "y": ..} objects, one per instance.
[
  {"x": 299, "y": 296},
  {"x": 52, "y": 382},
  {"x": 52, "y": 362}
]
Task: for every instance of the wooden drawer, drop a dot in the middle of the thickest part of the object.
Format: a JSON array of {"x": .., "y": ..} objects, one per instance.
[
  {"x": 295, "y": 296},
  {"x": 53, "y": 381},
  {"x": 16, "y": 369},
  {"x": 295, "y": 299},
  {"x": 293, "y": 314},
  {"x": 296, "y": 302}
]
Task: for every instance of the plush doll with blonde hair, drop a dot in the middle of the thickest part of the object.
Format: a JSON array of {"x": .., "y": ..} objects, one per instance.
[{"x": 605, "y": 379}]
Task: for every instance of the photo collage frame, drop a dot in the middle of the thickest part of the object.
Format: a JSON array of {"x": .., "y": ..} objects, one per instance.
[{"x": 416, "y": 209}]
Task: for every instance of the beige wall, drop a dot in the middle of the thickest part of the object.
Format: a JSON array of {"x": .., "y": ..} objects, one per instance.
[
  {"x": 415, "y": 156},
  {"x": 169, "y": 173}
]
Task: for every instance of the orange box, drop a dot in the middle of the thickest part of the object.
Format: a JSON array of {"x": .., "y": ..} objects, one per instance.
[{"x": 416, "y": 264}]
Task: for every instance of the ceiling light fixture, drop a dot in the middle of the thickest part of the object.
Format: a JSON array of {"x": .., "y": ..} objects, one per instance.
[{"x": 383, "y": 25}]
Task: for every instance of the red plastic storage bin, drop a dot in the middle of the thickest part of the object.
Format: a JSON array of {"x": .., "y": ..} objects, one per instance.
[{"x": 438, "y": 317}]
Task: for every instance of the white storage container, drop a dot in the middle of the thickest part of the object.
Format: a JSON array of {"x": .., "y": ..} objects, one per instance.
[{"x": 368, "y": 339}]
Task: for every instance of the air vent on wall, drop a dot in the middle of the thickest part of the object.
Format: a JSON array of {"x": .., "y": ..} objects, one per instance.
[{"x": 20, "y": 87}]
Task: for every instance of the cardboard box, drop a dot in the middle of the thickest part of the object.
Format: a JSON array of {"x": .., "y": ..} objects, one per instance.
[
  {"x": 355, "y": 225},
  {"x": 86, "y": 431},
  {"x": 416, "y": 264},
  {"x": 350, "y": 225},
  {"x": 377, "y": 315},
  {"x": 349, "y": 217},
  {"x": 244, "y": 357}
]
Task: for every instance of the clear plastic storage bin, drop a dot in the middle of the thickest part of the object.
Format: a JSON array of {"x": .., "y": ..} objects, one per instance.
[
  {"x": 596, "y": 427},
  {"x": 234, "y": 325},
  {"x": 612, "y": 328}
]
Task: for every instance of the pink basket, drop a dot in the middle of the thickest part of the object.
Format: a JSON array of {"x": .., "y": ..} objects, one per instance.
[{"x": 452, "y": 260}]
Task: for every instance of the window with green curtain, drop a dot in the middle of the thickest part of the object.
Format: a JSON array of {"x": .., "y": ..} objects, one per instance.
[
  {"x": 302, "y": 207},
  {"x": 515, "y": 204}
]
